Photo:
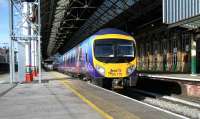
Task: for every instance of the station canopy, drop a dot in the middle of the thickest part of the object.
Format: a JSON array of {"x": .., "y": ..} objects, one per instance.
[
  {"x": 67, "y": 22},
  {"x": 185, "y": 13}
]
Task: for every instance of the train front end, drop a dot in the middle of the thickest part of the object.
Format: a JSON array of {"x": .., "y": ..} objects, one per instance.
[{"x": 115, "y": 59}]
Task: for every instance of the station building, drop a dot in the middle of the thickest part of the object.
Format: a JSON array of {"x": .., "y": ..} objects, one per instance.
[
  {"x": 166, "y": 50},
  {"x": 160, "y": 47},
  {"x": 3, "y": 55}
]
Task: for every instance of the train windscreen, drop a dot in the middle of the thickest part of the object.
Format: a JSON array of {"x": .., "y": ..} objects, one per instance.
[
  {"x": 114, "y": 50},
  {"x": 104, "y": 50},
  {"x": 125, "y": 50}
]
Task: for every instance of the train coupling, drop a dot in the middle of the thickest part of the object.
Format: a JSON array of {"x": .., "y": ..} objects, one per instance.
[{"x": 117, "y": 84}]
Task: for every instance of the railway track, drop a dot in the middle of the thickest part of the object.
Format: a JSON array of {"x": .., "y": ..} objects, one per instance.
[
  {"x": 183, "y": 108},
  {"x": 169, "y": 98},
  {"x": 175, "y": 105}
]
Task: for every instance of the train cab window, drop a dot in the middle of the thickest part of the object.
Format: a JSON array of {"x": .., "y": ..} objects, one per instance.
[
  {"x": 125, "y": 50},
  {"x": 114, "y": 50},
  {"x": 105, "y": 50}
]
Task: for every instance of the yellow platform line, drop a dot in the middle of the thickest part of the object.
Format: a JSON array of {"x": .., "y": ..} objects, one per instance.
[{"x": 84, "y": 99}]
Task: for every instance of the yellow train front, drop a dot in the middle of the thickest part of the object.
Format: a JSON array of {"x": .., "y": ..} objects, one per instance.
[{"x": 114, "y": 59}]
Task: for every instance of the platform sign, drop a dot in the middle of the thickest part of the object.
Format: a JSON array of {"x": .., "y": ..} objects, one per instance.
[
  {"x": 175, "y": 50},
  {"x": 184, "y": 13},
  {"x": 28, "y": 0},
  {"x": 187, "y": 48}
]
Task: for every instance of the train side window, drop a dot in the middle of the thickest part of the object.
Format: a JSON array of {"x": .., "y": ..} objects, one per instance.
[
  {"x": 70, "y": 58},
  {"x": 80, "y": 55},
  {"x": 74, "y": 58},
  {"x": 67, "y": 59},
  {"x": 64, "y": 59}
]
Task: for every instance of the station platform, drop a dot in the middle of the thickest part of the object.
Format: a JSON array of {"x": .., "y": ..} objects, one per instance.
[
  {"x": 4, "y": 78},
  {"x": 60, "y": 96},
  {"x": 49, "y": 100},
  {"x": 4, "y": 84},
  {"x": 190, "y": 84},
  {"x": 182, "y": 77}
]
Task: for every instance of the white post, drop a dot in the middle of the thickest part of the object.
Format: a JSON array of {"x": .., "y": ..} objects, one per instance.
[
  {"x": 39, "y": 43},
  {"x": 11, "y": 41},
  {"x": 26, "y": 31}
]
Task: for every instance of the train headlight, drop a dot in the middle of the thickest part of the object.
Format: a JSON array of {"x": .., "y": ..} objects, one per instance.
[
  {"x": 130, "y": 70},
  {"x": 101, "y": 70}
]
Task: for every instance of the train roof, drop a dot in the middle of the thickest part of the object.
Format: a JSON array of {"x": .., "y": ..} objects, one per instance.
[{"x": 110, "y": 31}]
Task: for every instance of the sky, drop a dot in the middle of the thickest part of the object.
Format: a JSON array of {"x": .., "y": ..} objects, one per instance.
[{"x": 4, "y": 22}]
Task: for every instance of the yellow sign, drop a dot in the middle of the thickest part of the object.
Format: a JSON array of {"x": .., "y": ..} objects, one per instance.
[{"x": 115, "y": 72}]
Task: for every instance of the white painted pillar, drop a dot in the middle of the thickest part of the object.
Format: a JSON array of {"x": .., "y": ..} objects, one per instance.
[
  {"x": 33, "y": 50},
  {"x": 26, "y": 31}
]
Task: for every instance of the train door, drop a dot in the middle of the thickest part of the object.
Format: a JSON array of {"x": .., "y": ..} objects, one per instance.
[
  {"x": 82, "y": 61},
  {"x": 86, "y": 57},
  {"x": 80, "y": 57}
]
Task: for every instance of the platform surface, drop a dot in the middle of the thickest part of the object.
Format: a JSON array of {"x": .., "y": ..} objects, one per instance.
[
  {"x": 49, "y": 100},
  {"x": 4, "y": 78},
  {"x": 63, "y": 97},
  {"x": 4, "y": 84}
]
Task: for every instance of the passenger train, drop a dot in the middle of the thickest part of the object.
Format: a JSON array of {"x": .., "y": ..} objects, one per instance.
[{"x": 107, "y": 58}]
